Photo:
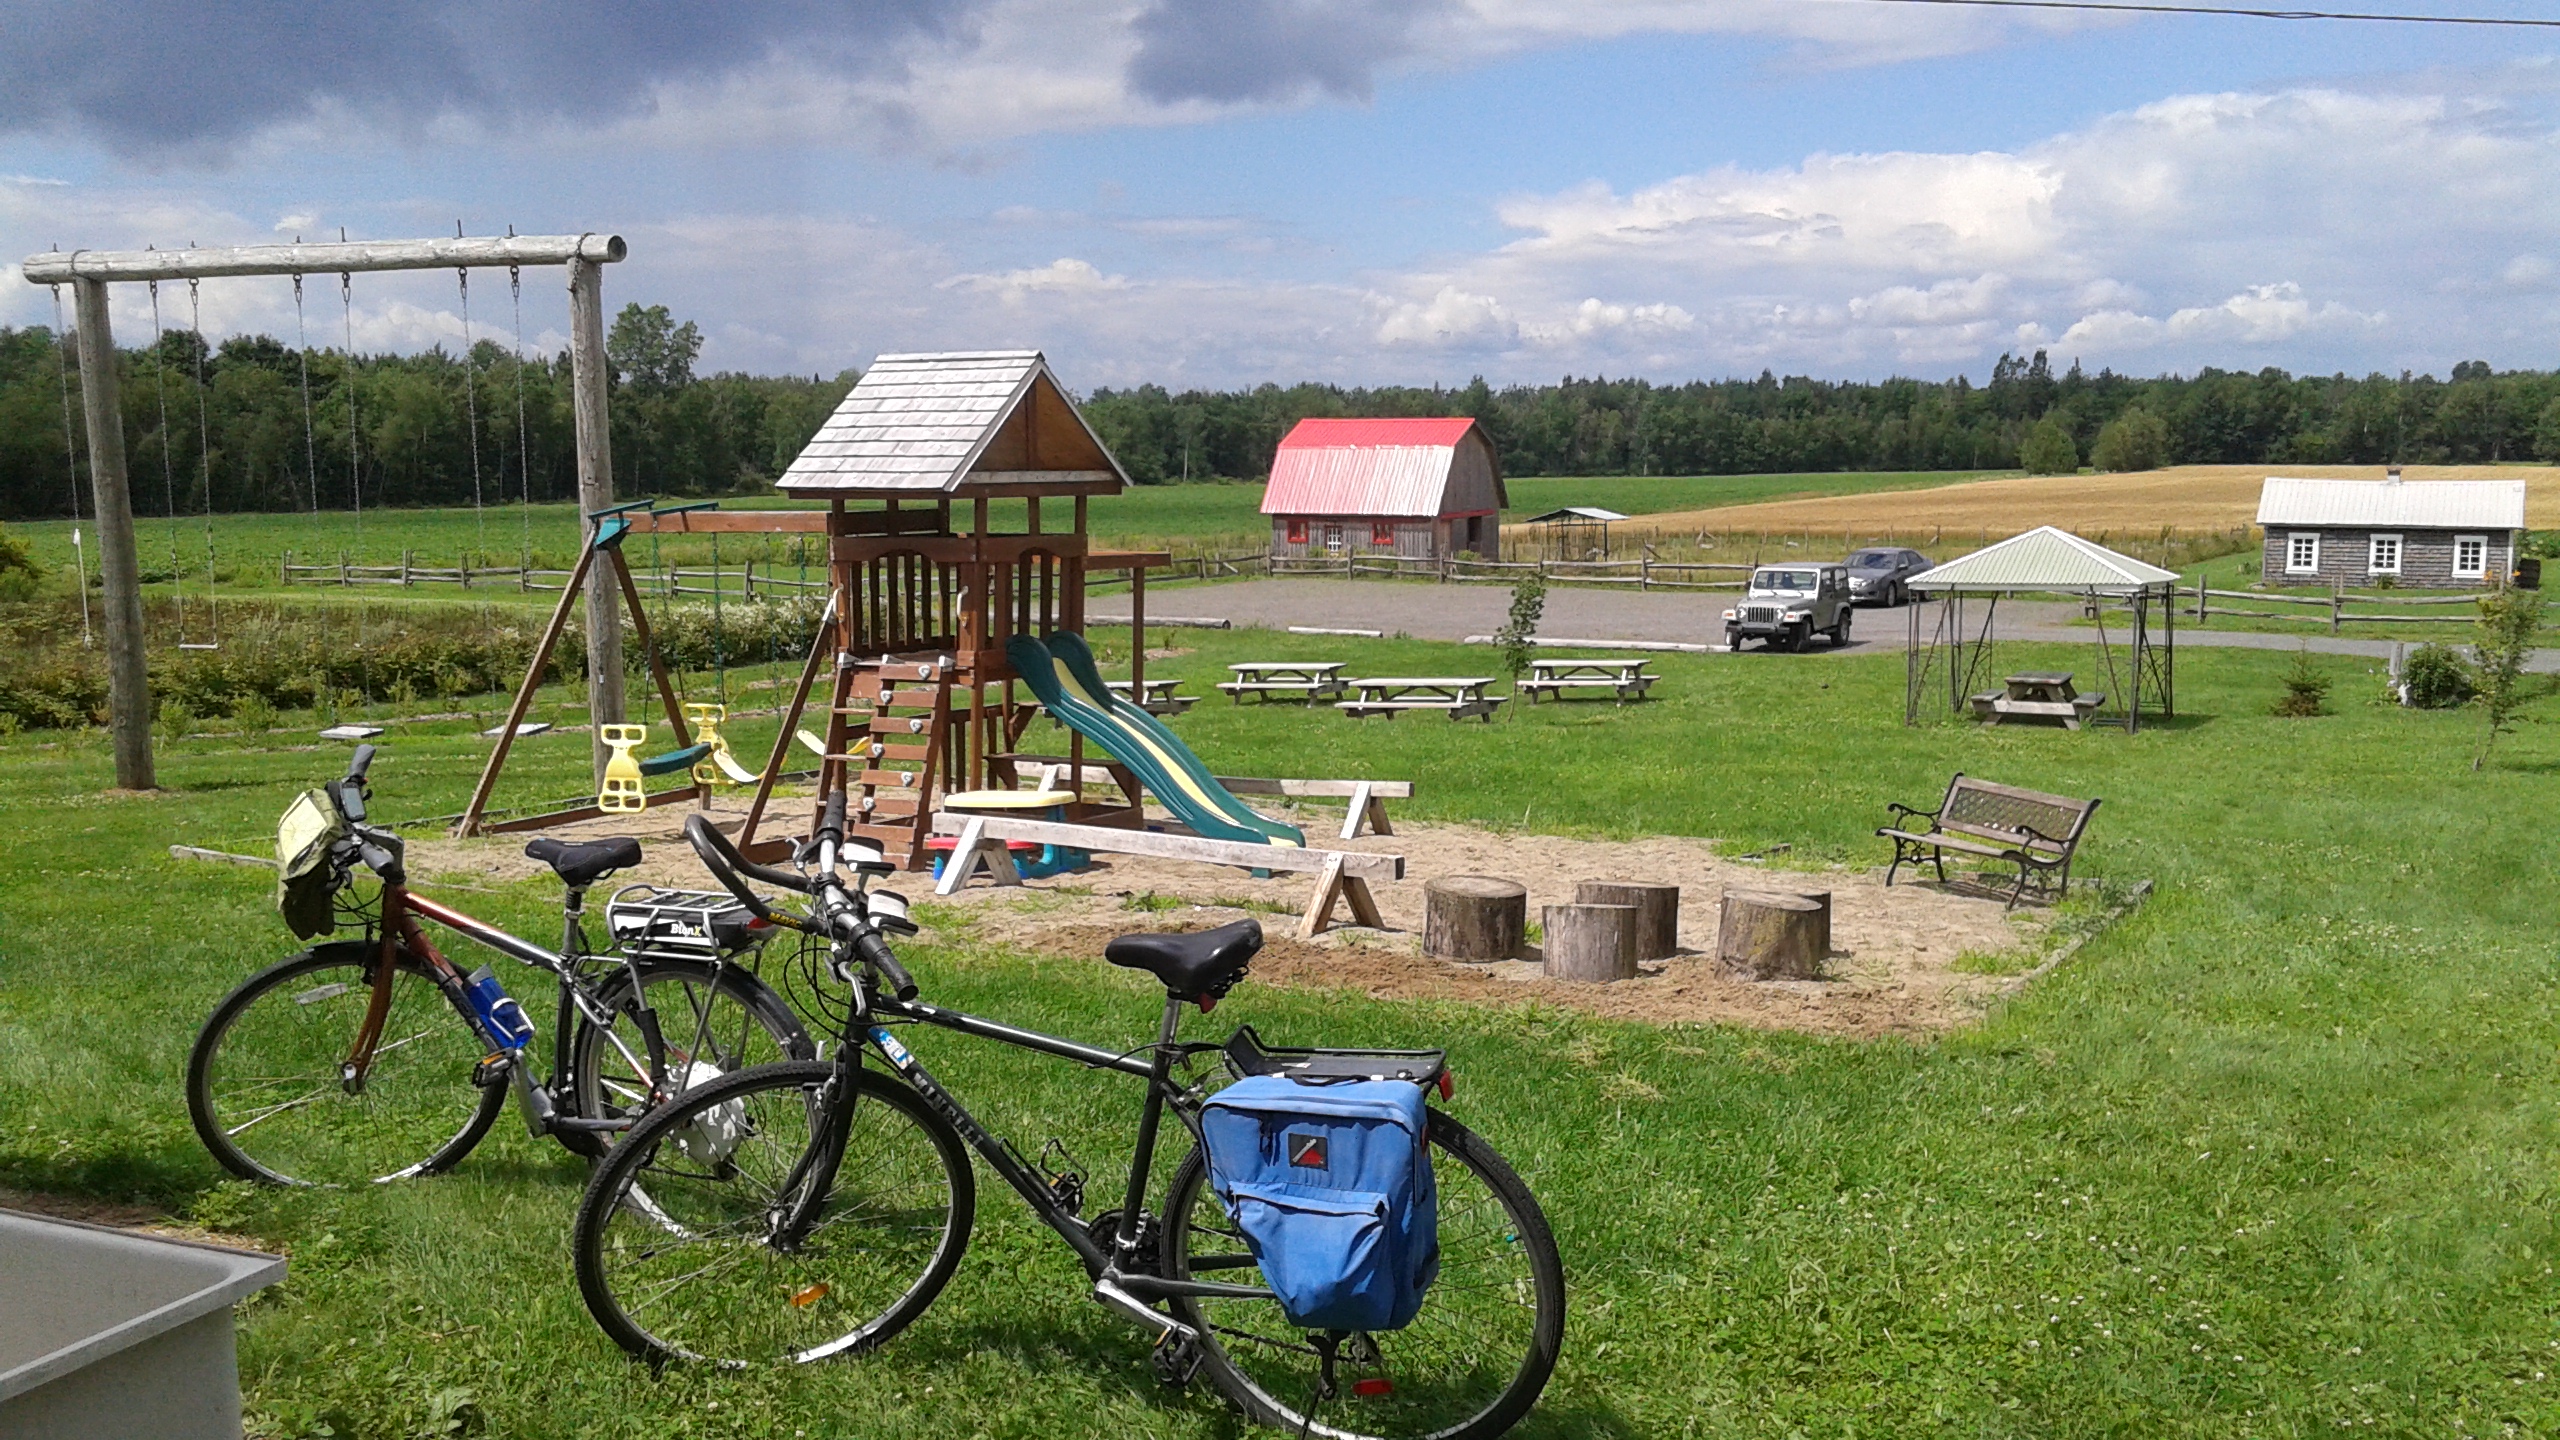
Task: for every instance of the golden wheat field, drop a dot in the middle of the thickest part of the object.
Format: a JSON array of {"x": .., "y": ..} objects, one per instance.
[{"x": 2183, "y": 499}]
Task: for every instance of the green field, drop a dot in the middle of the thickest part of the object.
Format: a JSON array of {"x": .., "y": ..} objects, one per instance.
[
  {"x": 2273, "y": 1157},
  {"x": 248, "y": 549}
]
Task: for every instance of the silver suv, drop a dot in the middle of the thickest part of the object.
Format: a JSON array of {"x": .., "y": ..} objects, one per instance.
[{"x": 1787, "y": 605}]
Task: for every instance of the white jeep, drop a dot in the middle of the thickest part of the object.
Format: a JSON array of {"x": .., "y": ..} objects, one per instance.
[{"x": 1787, "y": 605}]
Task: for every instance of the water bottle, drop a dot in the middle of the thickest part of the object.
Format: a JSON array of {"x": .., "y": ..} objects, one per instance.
[{"x": 498, "y": 1010}]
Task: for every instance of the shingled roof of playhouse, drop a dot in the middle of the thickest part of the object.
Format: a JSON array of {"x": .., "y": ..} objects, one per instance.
[
  {"x": 2045, "y": 559},
  {"x": 928, "y": 424},
  {"x": 1393, "y": 467}
]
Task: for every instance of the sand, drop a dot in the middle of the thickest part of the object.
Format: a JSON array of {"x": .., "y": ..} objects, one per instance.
[{"x": 1894, "y": 968}]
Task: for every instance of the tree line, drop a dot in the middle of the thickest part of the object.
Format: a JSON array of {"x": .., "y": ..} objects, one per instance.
[
  {"x": 2026, "y": 417},
  {"x": 254, "y": 424}
]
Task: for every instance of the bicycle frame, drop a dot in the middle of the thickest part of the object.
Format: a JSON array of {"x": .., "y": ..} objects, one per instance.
[
  {"x": 1117, "y": 1264},
  {"x": 401, "y": 910}
]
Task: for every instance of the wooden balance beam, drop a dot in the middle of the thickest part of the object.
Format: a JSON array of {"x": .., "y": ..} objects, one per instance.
[
  {"x": 1341, "y": 875},
  {"x": 1367, "y": 798}
]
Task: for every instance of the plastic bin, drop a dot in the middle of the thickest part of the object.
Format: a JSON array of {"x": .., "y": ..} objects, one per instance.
[{"x": 108, "y": 1333}]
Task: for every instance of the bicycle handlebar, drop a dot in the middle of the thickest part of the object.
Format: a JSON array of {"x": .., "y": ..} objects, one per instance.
[
  {"x": 349, "y": 792},
  {"x": 726, "y": 866}
]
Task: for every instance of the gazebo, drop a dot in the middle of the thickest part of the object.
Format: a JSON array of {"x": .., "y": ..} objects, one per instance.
[
  {"x": 2047, "y": 561},
  {"x": 1576, "y": 532}
]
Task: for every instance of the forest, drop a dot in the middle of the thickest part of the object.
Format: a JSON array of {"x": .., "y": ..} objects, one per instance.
[{"x": 254, "y": 424}]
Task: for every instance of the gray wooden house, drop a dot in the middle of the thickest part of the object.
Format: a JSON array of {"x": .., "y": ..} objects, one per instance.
[
  {"x": 2426, "y": 534},
  {"x": 1416, "y": 488}
]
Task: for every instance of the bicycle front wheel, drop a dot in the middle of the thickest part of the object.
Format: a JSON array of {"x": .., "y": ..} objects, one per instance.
[
  {"x": 1467, "y": 1368},
  {"x": 264, "y": 1089},
  {"x": 682, "y": 1242}
]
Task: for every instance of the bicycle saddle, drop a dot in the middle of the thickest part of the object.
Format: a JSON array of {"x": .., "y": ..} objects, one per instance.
[
  {"x": 1200, "y": 966},
  {"x": 580, "y": 862}
]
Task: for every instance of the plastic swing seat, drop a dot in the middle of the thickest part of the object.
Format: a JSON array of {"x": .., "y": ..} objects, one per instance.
[
  {"x": 623, "y": 791},
  {"x": 718, "y": 766}
]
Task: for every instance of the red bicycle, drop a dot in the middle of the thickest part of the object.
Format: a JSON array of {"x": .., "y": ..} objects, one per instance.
[{"x": 377, "y": 1059}]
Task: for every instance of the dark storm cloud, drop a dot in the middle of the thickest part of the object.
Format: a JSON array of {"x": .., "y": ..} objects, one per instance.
[
  {"x": 1247, "y": 50},
  {"x": 153, "y": 73}
]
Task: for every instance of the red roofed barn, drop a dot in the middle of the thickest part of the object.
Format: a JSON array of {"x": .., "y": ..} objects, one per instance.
[{"x": 1417, "y": 488}]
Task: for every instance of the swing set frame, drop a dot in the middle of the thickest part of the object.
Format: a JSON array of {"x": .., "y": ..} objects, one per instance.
[{"x": 89, "y": 273}]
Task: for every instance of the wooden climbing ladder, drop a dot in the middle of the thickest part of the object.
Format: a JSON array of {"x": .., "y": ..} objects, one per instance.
[{"x": 889, "y": 739}]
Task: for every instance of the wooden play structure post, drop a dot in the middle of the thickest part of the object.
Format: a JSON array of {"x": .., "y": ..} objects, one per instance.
[
  {"x": 89, "y": 272},
  {"x": 588, "y": 403},
  {"x": 128, "y": 676}
]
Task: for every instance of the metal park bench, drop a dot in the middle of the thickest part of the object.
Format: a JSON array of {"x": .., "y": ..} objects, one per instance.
[
  {"x": 1459, "y": 697},
  {"x": 1625, "y": 679},
  {"x": 2028, "y": 828},
  {"x": 1308, "y": 681}
]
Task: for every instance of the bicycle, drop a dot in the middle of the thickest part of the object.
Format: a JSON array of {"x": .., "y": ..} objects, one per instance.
[
  {"x": 803, "y": 1210},
  {"x": 378, "y": 1059}
]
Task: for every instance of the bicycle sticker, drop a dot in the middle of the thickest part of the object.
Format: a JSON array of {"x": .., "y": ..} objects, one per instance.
[{"x": 890, "y": 1047}]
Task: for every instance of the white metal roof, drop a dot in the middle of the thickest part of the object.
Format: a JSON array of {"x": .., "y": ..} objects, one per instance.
[
  {"x": 2044, "y": 559},
  {"x": 920, "y": 423},
  {"x": 2382, "y": 504},
  {"x": 1576, "y": 512}
]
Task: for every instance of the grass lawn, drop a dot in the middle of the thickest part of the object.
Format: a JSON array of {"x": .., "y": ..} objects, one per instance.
[
  {"x": 2273, "y": 1157},
  {"x": 250, "y": 548}
]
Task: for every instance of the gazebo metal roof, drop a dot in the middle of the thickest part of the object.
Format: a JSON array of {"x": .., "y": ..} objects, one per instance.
[{"x": 2045, "y": 558}]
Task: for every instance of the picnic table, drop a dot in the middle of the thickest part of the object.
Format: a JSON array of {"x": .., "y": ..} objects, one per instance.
[
  {"x": 1159, "y": 699},
  {"x": 1308, "y": 680},
  {"x": 1623, "y": 678},
  {"x": 1391, "y": 695},
  {"x": 2040, "y": 695}
]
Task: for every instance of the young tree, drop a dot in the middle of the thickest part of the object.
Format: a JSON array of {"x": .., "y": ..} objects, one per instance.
[
  {"x": 2048, "y": 450},
  {"x": 2134, "y": 440},
  {"x": 1528, "y": 607},
  {"x": 2508, "y": 622}
]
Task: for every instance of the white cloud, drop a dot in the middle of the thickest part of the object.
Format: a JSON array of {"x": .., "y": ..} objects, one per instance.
[
  {"x": 2526, "y": 272},
  {"x": 1451, "y": 318},
  {"x": 2259, "y": 315}
]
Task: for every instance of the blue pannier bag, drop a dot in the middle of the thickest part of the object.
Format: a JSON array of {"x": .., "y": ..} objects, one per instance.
[{"x": 1331, "y": 1185}]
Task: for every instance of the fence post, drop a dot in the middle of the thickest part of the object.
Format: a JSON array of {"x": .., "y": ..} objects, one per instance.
[
  {"x": 284, "y": 576},
  {"x": 2200, "y": 597},
  {"x": 2337, "y": 603},
  {"x": 343, "y": 577},
  {"x": 465, "y": 569},
  {"x": 406, "y": 558}
]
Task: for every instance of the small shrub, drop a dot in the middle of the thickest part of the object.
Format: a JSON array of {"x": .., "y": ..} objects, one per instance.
[
  {"x": 2509, "y": 619},
  {"x": 2305, "y": 688},
  {"x": 1517, "y": 637},
  {"x": 2435, "y": 677}
]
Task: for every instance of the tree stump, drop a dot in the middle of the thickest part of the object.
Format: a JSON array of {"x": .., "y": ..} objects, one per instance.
[
  {"x": 1591, "y": 942},
  {"x": 1773, "y": 935},
  {"x": 1657, "y": 912},
  {"x": 1474, "y": 917}
]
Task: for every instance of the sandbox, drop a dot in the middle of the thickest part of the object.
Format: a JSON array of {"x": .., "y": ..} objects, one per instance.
[{"x": 1908, "y": 960}]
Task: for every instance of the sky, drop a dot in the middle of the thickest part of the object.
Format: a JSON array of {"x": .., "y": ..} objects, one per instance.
[{"x": 1222, "y": 193}]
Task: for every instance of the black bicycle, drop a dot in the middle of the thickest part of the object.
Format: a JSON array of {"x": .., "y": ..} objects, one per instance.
[
  {"x": 799, "y": 1211},
  {"x": 378, "y": 1059}
]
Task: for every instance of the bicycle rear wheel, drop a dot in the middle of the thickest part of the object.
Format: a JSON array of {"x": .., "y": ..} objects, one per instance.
[
  {"x": 711, "y": 1024},
  {"x": 263, "y": 1082},
  {"x": 677, "y": 1241},
  {"x": 1467, "y": 1368}
]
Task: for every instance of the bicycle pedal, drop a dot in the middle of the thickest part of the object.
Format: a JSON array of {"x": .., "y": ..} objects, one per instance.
[
  {"x": 492, "y": 1069},
  {"x": 1178, "y": 1359}
]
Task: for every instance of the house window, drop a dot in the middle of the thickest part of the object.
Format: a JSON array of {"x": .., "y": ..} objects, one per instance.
[
  {"x": 2302, "y": 553},
  {"x": 1333, "y": 539},
  {"x": 2383, "y": 556},
  {"x": 2470, "y": 557},
  {"x": 1297, "y": 532},
  {"x": 1382, "y": 532}
]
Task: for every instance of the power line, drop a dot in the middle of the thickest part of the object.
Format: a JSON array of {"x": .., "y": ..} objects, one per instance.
[{"x": 2124, "y": 5}]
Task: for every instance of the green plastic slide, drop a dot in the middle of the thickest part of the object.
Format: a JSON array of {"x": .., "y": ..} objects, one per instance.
[{"x": 1075, "y": 694}]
